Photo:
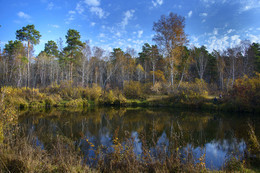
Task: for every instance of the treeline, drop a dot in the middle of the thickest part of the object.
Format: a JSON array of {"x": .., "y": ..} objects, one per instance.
[{"x": 162, "y": 68}]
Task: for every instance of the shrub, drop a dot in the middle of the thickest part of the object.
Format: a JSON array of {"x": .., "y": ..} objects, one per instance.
[
  {"x": 246, "y": 91},
  {"x": 77, "y": 103},
  {"x": 52, "y": 100},
  {"x": 253, "y": 144},
  {"x": 113, "y": 98},
  {"x": 133, "y": 90},
  {"x": 109, "y": 98},
  {"x": 92, "y": 93},
  {"x": 157, "y": 87}
]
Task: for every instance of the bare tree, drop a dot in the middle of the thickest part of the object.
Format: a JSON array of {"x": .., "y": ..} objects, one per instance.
[
  {"x": 85, "y": 66},
  {"x": 200, "y": 56}
]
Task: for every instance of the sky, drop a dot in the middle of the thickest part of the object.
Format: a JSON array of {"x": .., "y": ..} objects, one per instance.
[{"x": 217, "y": 24}]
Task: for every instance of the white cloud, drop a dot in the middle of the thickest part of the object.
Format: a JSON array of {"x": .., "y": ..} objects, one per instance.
[
  {"x": 208, "y": 1},
  {"x": 235, "y": 40},
  {"x": 55, "y": 26},
  {"x": 94, "y": 7},
  {"x": 71, "y": 17},
  {"x": 215, "y": 31},
  {"x": 94, "y": 3},
  {"x": 203, "y": 14},
  {"x": 118, "y": 34},
  {"x": 230, "y": 30},
  {"x": 93, "y": 24},
  {"x": 218, "y": 43},
  {"x": 190, "y": 14},
  {"x": 50, "y": 6},
  {"x": 101, "y": 35},
  {"x": 79, "y": 7},
  {"x": 195, "y": 39},
  {"x": 72, "y": 12},
  {"x": 99, "y": 12},
  {"x": 140, "y": 33},
  {"x": 254, "y": 38},
  {"x": 138, "y": 42},
  {"x": 248, "y": 5},
  {"x": 157, "y": 2},
  {"x": 23, "y": 15},
  {"x": 127, "y": 16},
  {"x": 203, "y": 21}
]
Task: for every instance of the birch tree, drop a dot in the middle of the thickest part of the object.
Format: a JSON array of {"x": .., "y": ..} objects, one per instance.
[{"x": 170, "y": 36}]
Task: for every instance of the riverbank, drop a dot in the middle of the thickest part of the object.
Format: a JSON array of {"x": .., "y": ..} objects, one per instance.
[{"x": 70, "y": 97}]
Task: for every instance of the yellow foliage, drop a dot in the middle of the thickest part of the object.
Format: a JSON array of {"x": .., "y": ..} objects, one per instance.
[
  {"x": 247, "y": 90},
  {"x": 159, "y": 75},
  {"x": 132, "y": 89},
  {"x": 157, "y": 87}
]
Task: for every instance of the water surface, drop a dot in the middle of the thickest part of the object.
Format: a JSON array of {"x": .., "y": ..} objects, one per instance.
[{"x": 217, "y": 135}]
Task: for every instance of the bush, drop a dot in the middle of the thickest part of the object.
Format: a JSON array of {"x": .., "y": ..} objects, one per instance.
[
  {"x": 246, "y": 91},
  {"x": 52, "y": 100},
  {"x": 133, "y": 90},
  {"x": 77, "y": 103},
  {"x": 93, "y": 93},
  {"x": 108, "y": 98},
  {"x": 157, "y": 87},
  {"x": 113, "y": 98},
  {"x": 199, "y": 87}
]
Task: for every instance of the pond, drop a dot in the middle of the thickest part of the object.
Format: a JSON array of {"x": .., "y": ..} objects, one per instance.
[{"x": 216, "y": 135}]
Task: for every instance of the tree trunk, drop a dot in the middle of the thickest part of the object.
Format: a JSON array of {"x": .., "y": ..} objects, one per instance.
[
  {"x": 171, "y": 65},
  {"x": 233, "y": 70},
  {"x": 182, "y": 74},
  {"x": 28, "y": 65},
  {"x": 153, "y": 73},
  {"x": 20, "y": 77}
]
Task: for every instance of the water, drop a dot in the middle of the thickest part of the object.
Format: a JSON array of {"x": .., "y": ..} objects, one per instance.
[{"x": 216, "y": 135}]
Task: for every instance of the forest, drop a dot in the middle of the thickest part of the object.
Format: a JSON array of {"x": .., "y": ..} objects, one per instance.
[{"x": 170, "y": 67}]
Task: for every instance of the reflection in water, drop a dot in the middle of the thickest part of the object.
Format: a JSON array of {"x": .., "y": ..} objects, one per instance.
[{"x": 215, "y": 135}]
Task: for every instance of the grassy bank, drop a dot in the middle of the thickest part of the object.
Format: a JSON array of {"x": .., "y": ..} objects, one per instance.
[
  {"x": 78, "y": 97},
  {"x": 244, "y": 96}
]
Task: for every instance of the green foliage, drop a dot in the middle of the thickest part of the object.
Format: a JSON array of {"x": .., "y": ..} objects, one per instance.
[
  {"x": 211, "y": 69},
  {"x": 255, "y": 47},
  {"x": 14, "y": 47},
  {"x": 73, "y": 41},
  {"x": 51, "y": 48},
  {"x": 29, "y": 34}
]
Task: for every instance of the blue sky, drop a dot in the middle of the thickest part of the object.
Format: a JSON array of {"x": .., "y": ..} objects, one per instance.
[{"x": 109, "y": 24}]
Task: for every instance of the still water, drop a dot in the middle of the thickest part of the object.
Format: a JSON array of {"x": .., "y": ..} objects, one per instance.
[{"x": 216, "y": 135}]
